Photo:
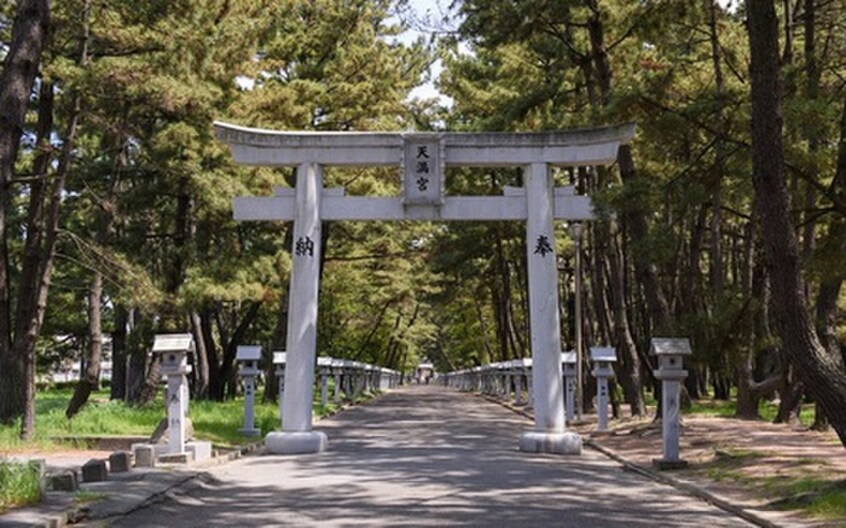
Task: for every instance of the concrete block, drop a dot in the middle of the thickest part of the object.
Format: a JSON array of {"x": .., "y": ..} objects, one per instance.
[
  {"x": 64, "y": 481},
  {"x": 557, "y": 443},
  {"x": 95, "y": 471},
  {"x": 120, "y": 461},
  {"x": 199, "y": 450},
  {"x": 293, "y": 443},
  {"x": 145, "y": 456}
]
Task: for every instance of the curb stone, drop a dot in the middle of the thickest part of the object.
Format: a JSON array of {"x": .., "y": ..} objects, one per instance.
[{"x": 663, "y": 478}]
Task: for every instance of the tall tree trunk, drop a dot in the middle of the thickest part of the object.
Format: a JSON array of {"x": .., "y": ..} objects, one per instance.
[
  {"x": 634, "y": 216},
  {"x": 90, "y": 379},
  {"x": 201, "y": 363},
  {"x": 227, "y": 368},
  {"x": 117, "y": 388},
  {"x": 20, "y": 66},
  {"x": 716, "y": 267},
  {"x": 139, "y": 341},
  {"x": 750, "y": 392},
  {"x": 280, "y": 332},
  {"x": 216, "y": 385},
  {"x": 819, "y": 372},
  {"x": 629, "y": 374},
  {"x": 39, "y": 256}
]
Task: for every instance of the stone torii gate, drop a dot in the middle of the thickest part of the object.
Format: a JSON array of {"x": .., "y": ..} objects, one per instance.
[{"x": 423, "y": 158}]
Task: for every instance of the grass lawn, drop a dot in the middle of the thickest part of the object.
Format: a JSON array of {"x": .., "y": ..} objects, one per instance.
[{"x": 217, "y": 422}]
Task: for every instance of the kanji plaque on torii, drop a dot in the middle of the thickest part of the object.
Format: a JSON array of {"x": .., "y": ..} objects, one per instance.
[
  {"x": 423, "y": 159},
  {"x": 422, "y": 171}
]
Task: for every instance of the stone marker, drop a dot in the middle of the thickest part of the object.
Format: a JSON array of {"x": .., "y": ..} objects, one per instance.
[
  {"x": 248, "y": 357},
  {"x": 279, "y": 359},
  {"x": 568, "y": 365},
  {"x": 670, "y": 353},
  {"x": 120, "y": 461},
  {"x": 602, "y": 358},
  {"x": 144, "y": 455},
  {"x": 94, "y": 471}
]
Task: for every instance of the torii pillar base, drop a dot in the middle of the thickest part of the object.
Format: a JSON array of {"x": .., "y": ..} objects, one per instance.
[
  {"x": 556, "y": 443},
  {"x": 296, "y": 443}
]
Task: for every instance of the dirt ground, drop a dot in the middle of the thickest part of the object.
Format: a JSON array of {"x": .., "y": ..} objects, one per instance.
[{"x": 756, "y": 464}]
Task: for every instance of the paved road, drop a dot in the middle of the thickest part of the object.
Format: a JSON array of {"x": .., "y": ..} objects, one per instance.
[{"x": 426, "y": 456}]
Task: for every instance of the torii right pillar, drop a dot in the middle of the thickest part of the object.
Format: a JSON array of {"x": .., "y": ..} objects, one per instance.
[{"x": 549, "y": 435}]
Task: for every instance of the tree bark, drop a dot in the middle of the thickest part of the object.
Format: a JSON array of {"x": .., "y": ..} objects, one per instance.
[
  {"x": 29, "y": 33},
  {"x": 818, "y": 371},
  {"x": 90, "y": 379},
  {"x": 117, "y": 389},
  {"x": 201, "y": 363}
]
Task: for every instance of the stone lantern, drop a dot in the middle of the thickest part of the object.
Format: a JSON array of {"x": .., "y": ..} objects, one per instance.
[
  {"x": 603, "y": 359},
  {"x": 568, "y": 368},
  {"x": 248, "y": 357},
  {"x": 173, "y": 350},
  {"x": 280, "y": 360},
  {"x": 670, "y": 353},
  {"x": 324, "y": 364}
]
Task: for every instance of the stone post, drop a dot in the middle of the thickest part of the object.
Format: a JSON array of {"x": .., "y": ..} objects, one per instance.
[
  {"x": 670, "y": 353},
  {"x": 248, "y": 357},
  {"x": 568, "y": 363},
  {"x": 602, "y": 360},
  {"x": 279, "y": 359}
]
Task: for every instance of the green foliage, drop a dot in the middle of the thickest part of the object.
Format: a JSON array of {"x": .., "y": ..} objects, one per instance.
[{"x": 19, "y": 484}]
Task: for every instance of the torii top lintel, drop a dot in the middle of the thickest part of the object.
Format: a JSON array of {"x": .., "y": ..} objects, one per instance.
[{"x": 577, "y": 147}]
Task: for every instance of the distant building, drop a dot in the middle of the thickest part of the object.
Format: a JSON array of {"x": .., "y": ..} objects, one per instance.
[{"x": 69, "y": 368}]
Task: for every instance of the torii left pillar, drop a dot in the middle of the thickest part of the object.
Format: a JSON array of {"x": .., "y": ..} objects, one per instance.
[{"x": 296, "y": 435}]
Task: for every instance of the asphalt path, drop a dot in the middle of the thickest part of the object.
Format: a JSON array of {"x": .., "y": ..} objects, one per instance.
[{"x": 428, "y": 456}]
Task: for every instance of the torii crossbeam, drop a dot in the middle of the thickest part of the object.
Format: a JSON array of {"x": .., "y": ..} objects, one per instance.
[{"x": 423, "y": 158}]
